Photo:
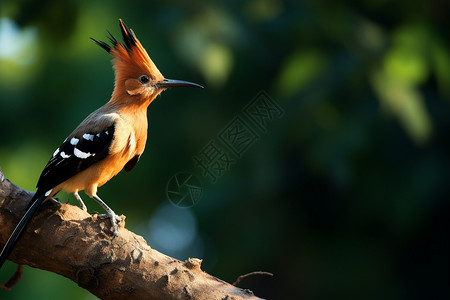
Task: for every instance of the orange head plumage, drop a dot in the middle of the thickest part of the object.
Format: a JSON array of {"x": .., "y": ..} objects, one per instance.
[{"x": 138, "y": 79}]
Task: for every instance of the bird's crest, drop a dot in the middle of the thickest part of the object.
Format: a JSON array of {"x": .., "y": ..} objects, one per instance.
[{"x": 130, "y": 57}]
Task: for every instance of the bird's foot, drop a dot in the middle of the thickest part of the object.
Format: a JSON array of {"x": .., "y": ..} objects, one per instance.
[{"x": 115, "y": 219}]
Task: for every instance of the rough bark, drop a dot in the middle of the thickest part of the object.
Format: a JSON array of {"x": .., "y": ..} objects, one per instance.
[{"x": 65, "y": 240}]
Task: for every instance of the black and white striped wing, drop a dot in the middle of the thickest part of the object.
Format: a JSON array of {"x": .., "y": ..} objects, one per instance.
[{"x": 75, "y": 155}]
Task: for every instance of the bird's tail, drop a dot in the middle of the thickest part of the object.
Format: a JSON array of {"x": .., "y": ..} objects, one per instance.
[{"x": 35, "y": 203}]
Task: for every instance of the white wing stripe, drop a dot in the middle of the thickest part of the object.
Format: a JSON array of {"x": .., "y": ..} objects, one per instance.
[
  {"x": 64, "y": 155},
  {"x": 80, "y": 154},
  {"x": 74, "y": 141},
  {"x": 89, "y": 137}
]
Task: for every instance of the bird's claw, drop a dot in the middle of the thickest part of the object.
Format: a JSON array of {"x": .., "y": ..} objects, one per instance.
[{"x": 115, "y": 219}]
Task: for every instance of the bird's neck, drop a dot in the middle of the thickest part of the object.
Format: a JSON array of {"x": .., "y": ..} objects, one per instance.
[{"x": 120, "y": 100}]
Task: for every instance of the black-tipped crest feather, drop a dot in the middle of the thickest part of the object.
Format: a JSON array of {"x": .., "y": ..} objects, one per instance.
[
  {"x": 112, "y": 39},
  {"x": 128, "y": 36},
  {"x": 102, "y": 44},
  {"x": 129, "y": 54}
]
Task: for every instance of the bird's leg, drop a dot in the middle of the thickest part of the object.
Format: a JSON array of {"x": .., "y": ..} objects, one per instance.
[
  {"x": 109, "y": 213},
  {"x": 83, "y": 207}
]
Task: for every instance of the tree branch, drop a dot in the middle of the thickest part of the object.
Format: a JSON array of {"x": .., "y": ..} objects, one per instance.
[{"x": 63, "y": 239}]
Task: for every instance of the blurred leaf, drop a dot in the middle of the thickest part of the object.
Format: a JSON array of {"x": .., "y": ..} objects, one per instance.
[
  {"x": 406, "y": 65},
  {"x": 407, "y": 59},
  {"x": 370, "y": 35},
  {"x": 299, "y": 70},
  {"x": 441, "y": 63},
  {"x": 204, "y": 42},
  {"x": 217, "y": 63},
  {"x": 406, "y": 103},
  {"x": 18, "y": 54}
]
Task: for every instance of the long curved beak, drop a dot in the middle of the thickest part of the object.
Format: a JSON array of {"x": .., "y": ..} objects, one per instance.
[{"x": 168, "y": 83}]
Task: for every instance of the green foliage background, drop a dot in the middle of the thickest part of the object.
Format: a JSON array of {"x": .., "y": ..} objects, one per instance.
[{"x": 344, "y": 197}]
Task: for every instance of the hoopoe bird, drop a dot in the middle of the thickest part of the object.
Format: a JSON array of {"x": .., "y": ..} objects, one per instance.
[{"x": 110, "y": 139}]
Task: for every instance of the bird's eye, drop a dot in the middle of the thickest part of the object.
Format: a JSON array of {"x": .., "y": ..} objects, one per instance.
[{"x": 144, "y": 79}]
